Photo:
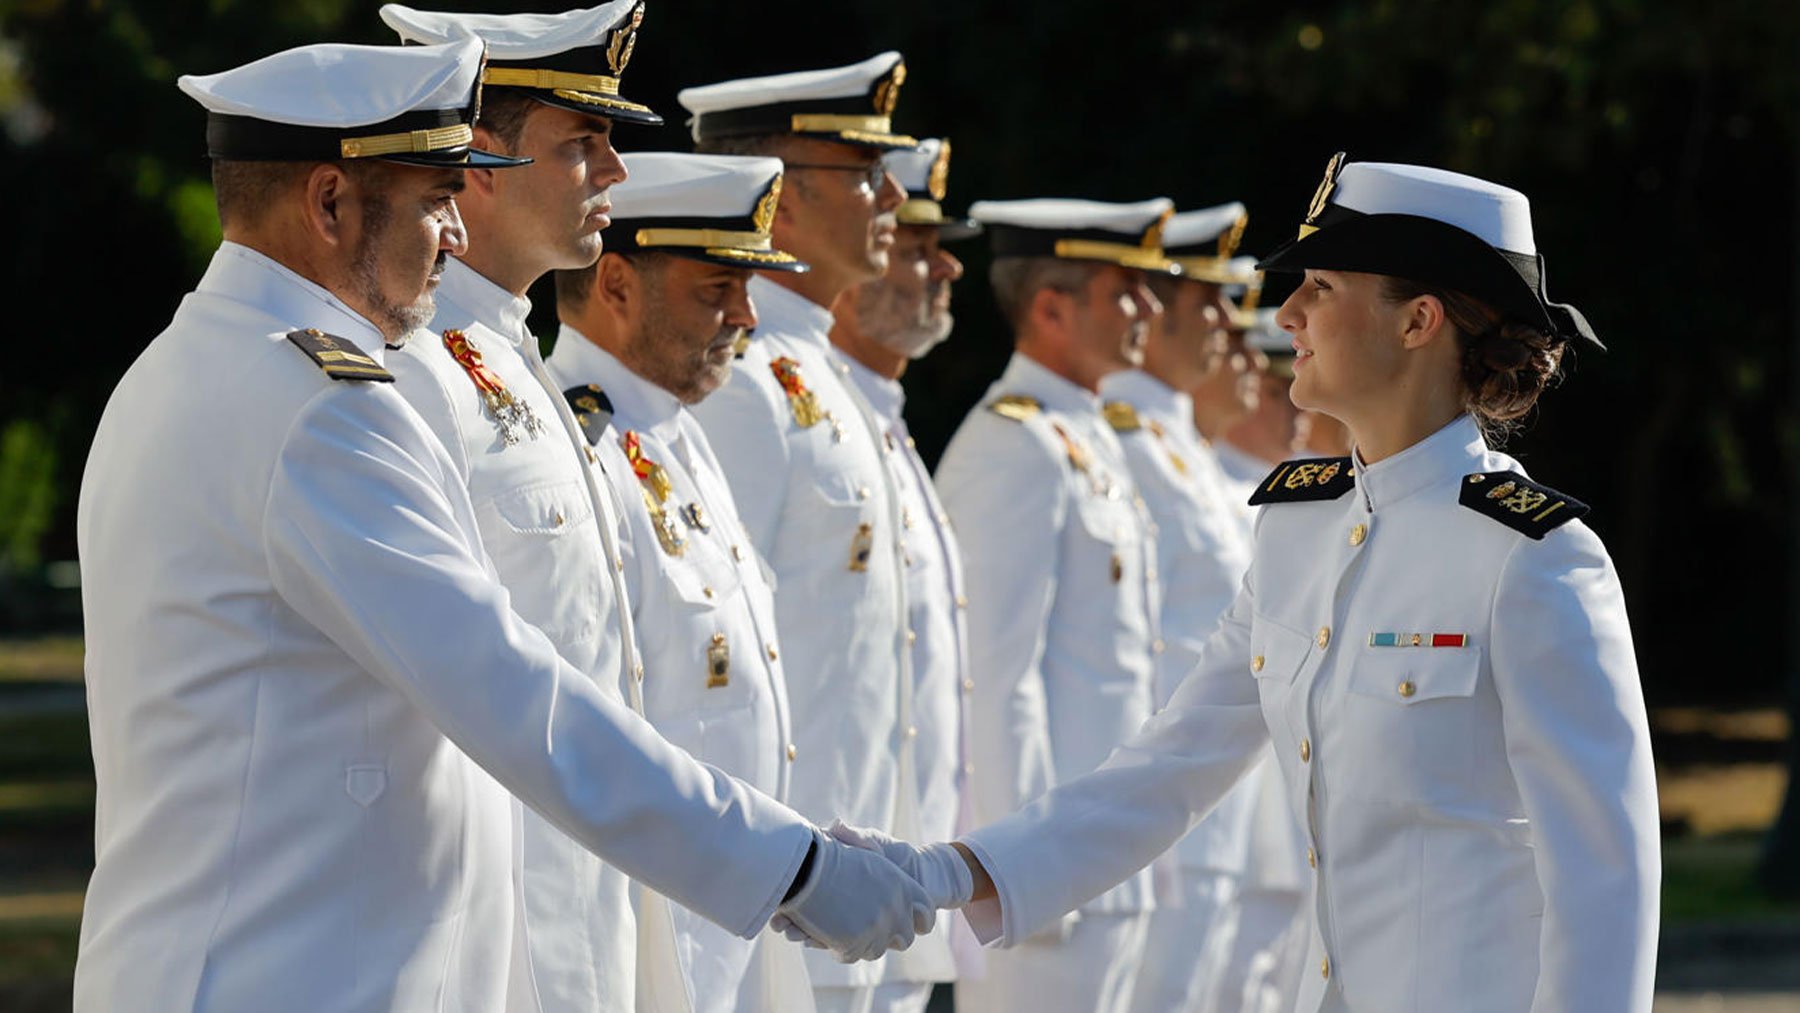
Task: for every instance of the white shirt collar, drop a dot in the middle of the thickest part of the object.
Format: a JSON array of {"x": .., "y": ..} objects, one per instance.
[
  {"x": 886, "y": 397},
  {"x": 1025, "y": 375},
  {"x": 482, "y": 301},
  {"x": 786, "y": 312},
  {"x": 243, "y": 275},
  {"x": 637, "y": 402},
  {"x": 1149, "y": 395},
  {"x": 1455, "y": 449}
]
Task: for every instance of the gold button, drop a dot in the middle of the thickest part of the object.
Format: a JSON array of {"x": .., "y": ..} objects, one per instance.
[
  {"x": 1256, "y": 663},
  {"x": 1407, "y": 689},
  {"x": 912, "y": 637},
  {"x": 962, "y": 601},
  {"x": 619, "y": 564},
  {"x": 912, "y": 731},
  {"x": 793, "y": 751},
  {"x": 943, "y": 518},
  {"x": 1325, "y": 968},
  {"x": 637, "y": 672},
  {"x": 968, "y": 769},
  {"x": 559, "y": 519},
  {"x": 909, "y": 443},
  {"x": 1358, "y": 533},
  {"x": 737, "y": 553},
  {"x": 1324, "y": 635},
  {"x": 593, "y": 458},
  {"x": 1312, "y": 859},
  {"x": 772, "y": 654},
  {"x": 1150, "y": 573},
  {"x": 862, "y": 492},
  {"x": 968, "y": 685},
  {"x": 1305, "y": 750},
  {"x": 1157, "y": 646},
  {"x": 707, "y": 591}
]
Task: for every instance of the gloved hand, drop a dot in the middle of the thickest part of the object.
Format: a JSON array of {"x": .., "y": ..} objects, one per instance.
[
  {"x": 936, "y": 867},
  {"x": 855, "y": 903}
]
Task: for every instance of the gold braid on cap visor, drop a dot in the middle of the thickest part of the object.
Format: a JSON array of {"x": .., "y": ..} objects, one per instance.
[
  {"x": 459, "y": 135},
  {"x": 1146, "y": 258},
  {"x": 591, "y": 89}
]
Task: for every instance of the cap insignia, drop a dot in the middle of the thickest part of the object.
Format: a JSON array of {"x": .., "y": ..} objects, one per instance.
[
  {"x": 938, "y": 183},
  {"x": 1322, "y": 196},
  {"x": 764, "y": 215},
  {"x": 623, "y": 40},
  {"x": 887, "y": 90},
  {"x": 1153, "y": 234},
  {"x": 1231, "y": 237}
]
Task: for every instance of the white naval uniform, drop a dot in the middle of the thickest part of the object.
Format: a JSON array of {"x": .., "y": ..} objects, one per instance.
[
  {"x": 937, "y": 602},
  {"x": 302, "y": 670},
  {"x": 1202, "y": 552},
  {"x": 1062, "y": 582},
  {"x": 809, "y": 496},
  {"x": 1484, "y": 818},
  {"x": 711, "y": 601},
  {"x": 552, "y": 529}
]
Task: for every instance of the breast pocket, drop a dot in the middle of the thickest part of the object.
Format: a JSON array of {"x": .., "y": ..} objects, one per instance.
[
  {"x": 1412, "y": 721},
  {"x": 709, "y": 653},
  {"x": 546, "y": 546},
  {"x": 551, "y": 509},
  {"x": 1107, "y": 541}
]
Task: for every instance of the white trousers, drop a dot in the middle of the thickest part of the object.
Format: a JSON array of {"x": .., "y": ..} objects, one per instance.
[
  {"x": 1092, "y": 971},
  {"x": 856, "y": 999},
  {"x": 1264, "y": 972},
  {"x": 1190, "y": 945},
  {"x": 903, "y": 996}
]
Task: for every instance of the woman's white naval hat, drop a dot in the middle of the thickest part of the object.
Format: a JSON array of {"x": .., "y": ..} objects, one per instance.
[
  {"x": 850, "y": 105},
  {"x": 328, "y": 102},
  {"x": 1432, "y": 226},
  {"x": 1126, "y": 234},
  {"x": 924, "y": 173},
  {"x": 715, "y": 208},
  {"x": 1204, "y": 242},
  {"x": 572, "y": 60}
]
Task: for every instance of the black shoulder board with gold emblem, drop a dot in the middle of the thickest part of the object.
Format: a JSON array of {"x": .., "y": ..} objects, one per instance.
[
  {"x": 1017, "y": 407},
  {"x": 1122, "y": 416},
  {"x": 593, "y": 410},
  {"x": 1519, "y": 503},
  {"x": 338, "y": 357},
  {"x": 1306, "y": 479}
]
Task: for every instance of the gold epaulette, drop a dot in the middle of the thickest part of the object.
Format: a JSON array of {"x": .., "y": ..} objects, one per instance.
[
  {"x": 1121, "y": 416},
  {"x": 1017, "y": 407}
]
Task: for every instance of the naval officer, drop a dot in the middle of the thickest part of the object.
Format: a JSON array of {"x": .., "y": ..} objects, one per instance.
[
  {"x": 310, "y": 694},
  {"x": 648, "y": 331},
  {"x": 880, "y": 327},
  {"x": 806, "y": 456},
  {"x": 1435, "y": 643},
  {"x": 1061, "y": 563}
]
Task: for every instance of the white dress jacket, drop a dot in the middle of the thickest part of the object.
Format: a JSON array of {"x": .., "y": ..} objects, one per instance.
[
  {"x": 309, "y": 697},
  {"x": 1483, "y": 818}
]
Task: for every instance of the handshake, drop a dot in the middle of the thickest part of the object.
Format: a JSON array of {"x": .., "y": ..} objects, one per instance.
[{"x": 863, "y": 893}]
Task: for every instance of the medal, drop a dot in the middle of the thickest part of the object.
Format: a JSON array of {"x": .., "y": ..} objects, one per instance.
[
  {"x": 695, "y": 515},
  {"x": 653, "y": 481},
  {"x": 718, "y": 662},
  {"x": 803, "y": 401},
  {"x": 861, "y": 545},
  {"x": 514, "y": 416}
]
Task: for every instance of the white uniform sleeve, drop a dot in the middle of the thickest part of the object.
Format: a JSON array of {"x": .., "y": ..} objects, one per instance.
[
  {"x": 1088, "y": 835},
  {"x": 1578, "y": 742},
  {"x": 1006, "y": 500},
  {"x": 370, "y": 538},
  {"x": 748, "y": 435}
]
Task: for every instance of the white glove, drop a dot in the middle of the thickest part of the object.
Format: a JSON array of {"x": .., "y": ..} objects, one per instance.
[
  {"x": 855, "y": 903},
  {"x": 939, "y": 868}
]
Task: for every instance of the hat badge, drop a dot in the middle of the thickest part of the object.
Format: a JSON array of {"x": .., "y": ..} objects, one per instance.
[
  {"x": 764, "y": 215},
  {"x": 1232, "y": 236},
  {"x": 938, "y": 183},
  {"x": 887, "y": 90},
  {"x": 1153, "y": 235},
  {"x": 623, "y": 41},
  {"x": 1322, "y": 195}
]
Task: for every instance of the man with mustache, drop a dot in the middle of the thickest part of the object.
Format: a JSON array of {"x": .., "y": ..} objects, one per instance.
[
  {"x": 647, "y": 332},
  {"x": 806, "y": 458},
  {"x": 880, "y": 327},
  {"x": 1061, "y": 563},
  {"x": 548, "y": 518},
  {"x": 310, "y": 693}
]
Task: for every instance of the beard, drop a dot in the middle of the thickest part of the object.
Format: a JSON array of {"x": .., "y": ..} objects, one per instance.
[
  {"x": 907, "y": 325},
  {"x": 666, "y": 356},
  {"x": 393, "y": 319}
]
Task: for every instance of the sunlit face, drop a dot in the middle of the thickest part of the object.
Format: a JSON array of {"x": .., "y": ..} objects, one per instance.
[
  {"x": 834, "y": 218},
  {"x": 1231, "y": 390},
  {"x": 1188, "y": 342},
  {"x": 556, "y": 206},
  {"x": 1112, "y": 320},
  {"x": 1346, "y": 339},
  {"x": 694, "y": 312},
  {"x": 404, "y": 224},
  {"x": 907, "y": 309}
]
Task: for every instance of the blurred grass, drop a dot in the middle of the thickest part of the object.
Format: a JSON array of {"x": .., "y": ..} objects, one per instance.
[
  {"x": 51, "y": 659},
  {"x": 1713, "y": 879}
]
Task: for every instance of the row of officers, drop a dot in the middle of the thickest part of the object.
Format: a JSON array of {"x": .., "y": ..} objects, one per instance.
[{"x": 429, "y": 672}]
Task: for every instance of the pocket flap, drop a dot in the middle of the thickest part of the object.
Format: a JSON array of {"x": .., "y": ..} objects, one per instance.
[
  {"x": 1409, "y": 676},
  {"x": 547, "y": 509},
  {"x": 1276, "y": 652}
]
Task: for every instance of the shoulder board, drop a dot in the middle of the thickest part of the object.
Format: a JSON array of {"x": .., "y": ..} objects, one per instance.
[
  {"x": 1306, "y": 479},
  {"x": 1121, "y": 416},
  {"x": 592, "y": 408},
  {"x": 338, "y": 357},
  {"x": 1519, "y": 503},
  {"x": 1016, "y": 407}
]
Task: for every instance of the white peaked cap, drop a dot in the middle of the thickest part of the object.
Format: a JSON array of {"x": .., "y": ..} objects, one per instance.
[
  {"x": 1129, "y": 235},
  {"x": 849, "y": 105},
  {"x": 853, "y": 81},
  {"x": 912, "y": 166},
  {"x": 333, "y": 85},
  {"x": 715, "y": 208},
  {"x": 1498, "y": 215},
  {"x": 924, "y": 173},
  {"x": 1065, "y": 214},
  {"x": 511, "y": 36},
  {"x": 1193, "y": 228}
]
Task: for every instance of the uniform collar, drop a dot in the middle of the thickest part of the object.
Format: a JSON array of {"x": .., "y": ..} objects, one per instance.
[
  {"x": 635, "y": 400},
  {"x": 1148, "y": 395},
  {"x": 243, "y": 275},
  {"x": 886, "y": 397},
  {"x": 1025, "y": 375},
  {"x": 788, "y": 313},
  {"x": 483, "y": 301},
  {"x": 1453, "y": 450}
]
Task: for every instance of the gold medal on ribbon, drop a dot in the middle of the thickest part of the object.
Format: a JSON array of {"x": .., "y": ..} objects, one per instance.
[
  {"x": 718, "y": 662},
  {"x": 861, "y": 545},
  {"x": 803, "y": 401}
]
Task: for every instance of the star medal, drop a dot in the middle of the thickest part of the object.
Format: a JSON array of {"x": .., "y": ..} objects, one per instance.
[
  {"x": 654, "y": 482},
  {"x": 861, "y": 545},
  {"x": 512, "y": 414},
  {"x": 803, "y": 401},
  {"x": 695, "y": 516}
]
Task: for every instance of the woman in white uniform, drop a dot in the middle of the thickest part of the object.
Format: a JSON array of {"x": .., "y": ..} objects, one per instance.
[{"x": 1435, "y": 643}]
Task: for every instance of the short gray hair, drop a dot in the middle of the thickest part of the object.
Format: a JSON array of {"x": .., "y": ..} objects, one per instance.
[{"x": 1017, "y": 280}]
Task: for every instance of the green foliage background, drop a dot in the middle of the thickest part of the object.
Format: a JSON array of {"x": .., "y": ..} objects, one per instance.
[{"x": 1657, "y": 141}]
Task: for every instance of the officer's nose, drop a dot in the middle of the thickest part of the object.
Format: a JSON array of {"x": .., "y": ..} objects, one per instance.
[{"x": 944, "y": 265}]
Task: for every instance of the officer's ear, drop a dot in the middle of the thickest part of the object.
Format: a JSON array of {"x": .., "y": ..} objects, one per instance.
[
  {"x": 618, "y": 286},
  {"x": 1422, "y": 320},
  {"x": 329, "y": 197},
  {"x": 1051, "y": 311}
]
